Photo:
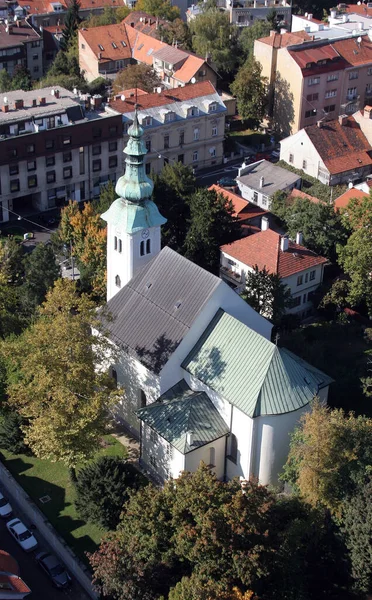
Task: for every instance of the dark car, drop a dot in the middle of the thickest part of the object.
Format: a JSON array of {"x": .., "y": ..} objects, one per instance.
[
  {"x": 226, "y": 182},
  {"x": 54, "y": 569}
]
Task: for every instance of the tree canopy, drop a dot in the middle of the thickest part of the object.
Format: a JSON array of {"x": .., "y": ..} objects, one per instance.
[
  {"x": 20, "y": 80},
  {"x": 58, "y": 388},
  {"x": 214, "y": 36},
  {"x": 266, "y": 294},
  {"x": 41, "y": 271},
  {"x": 250, "y": 91},
  {"x": 258, "y": 29},
  {"x": 159, "y": 8},
  {"x": 71, "y": 24},
  {"x": 136, "y": 76}
]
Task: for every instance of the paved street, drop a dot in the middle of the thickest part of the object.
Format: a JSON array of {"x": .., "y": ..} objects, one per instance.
[
  {"x": 206, "y": 179},
  {"x": 31, "y": 573}
]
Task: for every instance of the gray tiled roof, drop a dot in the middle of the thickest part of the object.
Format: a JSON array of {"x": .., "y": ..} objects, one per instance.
[
  {"x": 155, "y": 310},
  {"x": 181, "y": 410},
  {"x": 275, "y": 178},
  {"x": 170, "y": 54}
]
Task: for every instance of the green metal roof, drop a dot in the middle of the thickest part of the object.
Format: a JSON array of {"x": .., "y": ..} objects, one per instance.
[
  {"x": 133, "y": 217},
  {"x": 181, "y": 410},
  {"x": 251, "y": 372}
]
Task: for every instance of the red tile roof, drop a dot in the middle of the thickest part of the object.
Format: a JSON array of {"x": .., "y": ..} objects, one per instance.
[
  {"x": 354, "y": 53},
  {"x": 203, "y": 88},
  {"x": 343, "y": 200},
  {"x": 341, "y": 147},
  {"x": 282, "y": 40},
  {"x": 243, "y": 209},
  {"x": 142, "y": 21},
  {"x": 106, "y": 36},
  {"x": 8, "y": 563},
  {"x": 360, "y": 9},
  {"x": 17, "y": 584},
  {"x": 263, "y": 249},
  {"x": 295, "y": 193},
  {"x": 304, "y": 56}
]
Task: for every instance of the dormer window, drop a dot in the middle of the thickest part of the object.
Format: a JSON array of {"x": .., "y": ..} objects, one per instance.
[
  {"x": 212, "y": 107},
  {"x": 147, "y": 121},
  {"x": 193, "y": 111},
  {"x": 169, "y": 117},
  {"x": 322, "y": 62},
  {"x": 309, "y": 65}
]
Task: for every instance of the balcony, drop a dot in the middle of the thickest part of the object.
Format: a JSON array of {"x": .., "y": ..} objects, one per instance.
[{"x": 230, "y": 276}]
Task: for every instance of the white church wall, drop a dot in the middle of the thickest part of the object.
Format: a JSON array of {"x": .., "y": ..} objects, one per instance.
[
  {"x": 214, "y": 451},
  {"x": 177, "y": 464},
  {"x": 159, "y": 456},
  {"x": 242, "y": 428},
  {"x": 272, "y": 444},
  {"x": 134, "y": 377}
]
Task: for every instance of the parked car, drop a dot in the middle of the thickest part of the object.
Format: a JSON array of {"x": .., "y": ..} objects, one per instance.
[
  {"x": 22, "y": 535},
  {"x": 54, "y": 569},
  {"x": 226, "y": 182},
  {"x": 5, "y": 508}
]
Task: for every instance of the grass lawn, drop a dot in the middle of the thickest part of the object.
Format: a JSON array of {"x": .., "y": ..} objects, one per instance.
[
  {"x": 249, "y": 137},
  {"x": 16, "y": 232},
  {"x": 43, "y": 478}
]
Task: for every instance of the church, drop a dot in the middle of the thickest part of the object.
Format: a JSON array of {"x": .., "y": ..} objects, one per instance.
[{"x": 202, "y": 381}]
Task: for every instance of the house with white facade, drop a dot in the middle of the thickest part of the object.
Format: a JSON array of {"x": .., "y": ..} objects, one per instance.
[
  {"x": 334, "y": 151},
  {"x": 300, "y": 269},
  {"x": 258, "y": 181},
  {"x": 202, "y": 381}
]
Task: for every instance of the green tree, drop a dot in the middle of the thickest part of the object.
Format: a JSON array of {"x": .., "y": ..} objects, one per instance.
[
  {"x": 21, "y": 79},
  {"x": 173, "y": 188},
  {"x": 71, "y": 24},
  {"x": 176, "y": 31},
  {"x": 109, "y": 16},
  {"x": 65, "y": 70},
  {"x": 330, "y": 456},
  {"x": 266, "y": 293},
  {"x": 213, "y": 35},
  {"x": 357, "y": 530},
  {"x": 336, "y": 297},
  {"x": 11, "y": 261},
  {"x": 212, "y": 223},
  {"x": 249, "y": 89},
  {"x": 102, "y": 487},
  {"x": 159, "y": 8},
  {"x": 320, "y": 224},
  {"x": 279, "y": 204},
  {"x": 41, "y": 271},
  {"x": 11, "y": 434},
  {"x": 136, "y": 76},
  {"x": 5, "y": 81},
  {"x": 59, "y": 389},
  {"x": 106, "y": 197},
  {"x": 260, "y": 28}
]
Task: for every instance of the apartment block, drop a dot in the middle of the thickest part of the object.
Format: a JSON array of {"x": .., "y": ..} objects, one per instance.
[
  {"x": 43, "y": 13},
  {"x": 21, "y": 44},
  {"x": 184, "y": 125},
  {"x": 55, "y": 146},
  {"x": 104, "y": 51}
]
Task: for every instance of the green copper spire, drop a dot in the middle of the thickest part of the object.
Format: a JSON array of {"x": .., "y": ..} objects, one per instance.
[
  {"x": 134, "y": 210},
  {"x": 135, "y": 185}
]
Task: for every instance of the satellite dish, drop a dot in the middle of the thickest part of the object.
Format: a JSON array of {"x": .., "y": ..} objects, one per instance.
[
  {"x": 193, "y": 80},
  {"x": 122, "y": 97},
  {"x": 158, "y": 89},
  {"x": 359, "y": 40},
  {"x": 75, "y": 91},
  {"x": 350, "y": 185},
  {"x": 5, "y": 100}
]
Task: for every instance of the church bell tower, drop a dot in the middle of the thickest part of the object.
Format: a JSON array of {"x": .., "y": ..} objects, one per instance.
[{"x": 133, "y": 220}]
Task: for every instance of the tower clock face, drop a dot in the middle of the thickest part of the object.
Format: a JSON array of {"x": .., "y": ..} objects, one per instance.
[{"x": 145, "y": 234}]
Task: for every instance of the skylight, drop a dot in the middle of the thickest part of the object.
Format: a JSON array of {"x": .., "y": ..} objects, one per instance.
[
  {"x": 123, "y": 44},
  {"x": 113, "y": 45},
  {"x": 100, "y": 47},
  {"x": 140, "y": 46}
]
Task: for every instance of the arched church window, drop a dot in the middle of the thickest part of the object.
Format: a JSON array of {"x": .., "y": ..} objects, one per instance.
[
  {"x": 142, "y": 248},
  {"x": 120, "y": 245},
  {"x": 148, "y": 246},
  {"x": 115, "y": 243},
  {"x": 212, "y": 457},
  {"x": 117, "y": 281},
  {"x": 232, "y": 448},
  {"x": 143, "y": 399}
]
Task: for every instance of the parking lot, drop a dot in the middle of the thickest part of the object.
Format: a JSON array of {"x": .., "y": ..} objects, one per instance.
[{"x": 42, "y": 588}]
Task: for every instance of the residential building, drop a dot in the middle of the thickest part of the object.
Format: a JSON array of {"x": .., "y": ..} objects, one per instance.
[
  {"x": 142, "y": 21},
  {"x": 266, "y": 51},
  {"x": 182, "y": 125},
  {"x": 12, "y": 586},
  {"x": 55, "y": 146},
  {"x": 245, "y": 12},
  {"x": 260, "y": 180},
  {"x": 249, "y": 214},
  {"x": 300, "y": 269},
  {"x": 103, "y": 51},
  {"x": 319, "y": 79},
  {"x": 332, "y": 151},
  {"x": 343, "y": 200},
  {"x": 21, "y": 44},
  {"x": 306, "y": 23},
  {"x": 202, "y": 380},
  {"x": 43, "y": 13}
]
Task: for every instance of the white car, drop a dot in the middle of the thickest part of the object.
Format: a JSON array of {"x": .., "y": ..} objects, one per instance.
[
  {"x": 22, "y": 535},
  {"x": 5, "y": 508}
]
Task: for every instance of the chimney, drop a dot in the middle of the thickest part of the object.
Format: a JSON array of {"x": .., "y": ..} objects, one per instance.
[
  {"x": 18, "y": 104},
  {"x": 42, "y": 101},
  {"x": 56, "y": 94},
  {"x": 367, "y": 112},
  {"x": 319, "y": 124},
  {"x": 10, "y": 29},
  {"x": 272, "y": 32},
  {"x": 283, "y": 31},
  {"x": 190, "y": 438},
  {"x": 342, "y": 119},
  {"x": 99, "y": 56},
  {"x": 34, "y": 102},
  {"x": 5, "y": 108},
  {"x": 96, "y": 101},
  {"x": 360, "y": 26},
  {"x": 264, "y": 224},
  {"x": 262, "y": 182},
  {"x": 299, "y": 238},
  {"x": 309, "y": 16},
  {"x": 284, "y": 243}
]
